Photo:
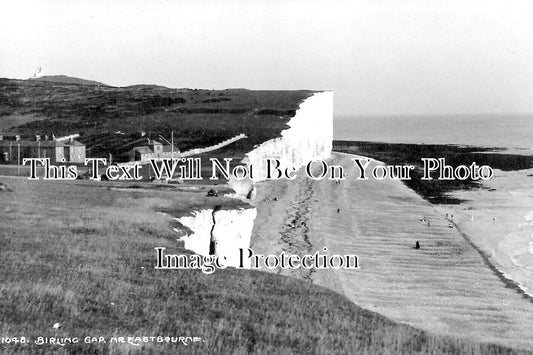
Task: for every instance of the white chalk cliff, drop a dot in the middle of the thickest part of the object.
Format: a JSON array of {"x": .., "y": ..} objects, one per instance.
[
  {"x": 201, "y": 224},
  {"x": 309, "y": 137},
  {"x": 223, "y": 231},
  {"x": 233, "y": 230}
]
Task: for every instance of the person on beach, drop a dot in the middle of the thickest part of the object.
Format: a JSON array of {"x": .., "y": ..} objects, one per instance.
[
  {"x": 417, "y": 245},
  {"x": 338, "y": 210}
]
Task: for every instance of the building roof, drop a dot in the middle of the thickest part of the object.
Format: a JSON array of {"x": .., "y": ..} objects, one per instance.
[
  {"x": 143, "y": 150},
  {"x": 168, "y": 149},
  {"x": 41, "y": 143},
  {"x": 75, "y": 143},
  {"x": 25, "y": 143}
]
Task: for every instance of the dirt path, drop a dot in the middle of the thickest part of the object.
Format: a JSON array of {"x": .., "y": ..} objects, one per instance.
[{"x": 444, "y": 287}]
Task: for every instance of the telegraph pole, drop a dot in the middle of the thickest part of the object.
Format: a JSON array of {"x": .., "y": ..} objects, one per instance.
[{"x": 171, "y": 149}]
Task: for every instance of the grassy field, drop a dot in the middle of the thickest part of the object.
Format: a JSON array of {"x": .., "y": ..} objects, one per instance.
[{"x": 81, "y": 254}]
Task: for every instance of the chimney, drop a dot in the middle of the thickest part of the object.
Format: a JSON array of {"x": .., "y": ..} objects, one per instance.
[
  {"x": 37, "y": 137},
  {"x": 17, "y": 137}
]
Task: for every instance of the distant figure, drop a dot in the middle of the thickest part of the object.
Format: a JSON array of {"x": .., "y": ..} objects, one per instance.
[
  {"x": 417, "y": 245},
  {"x": 212, "y": 193},
  {"x": 275, "y": 198},
  {"x": 451, "y": 217},
  {"x": 446, "y": 216},
  {"x": 493, "y": 219},
  {"x": 338, "y": 210}
]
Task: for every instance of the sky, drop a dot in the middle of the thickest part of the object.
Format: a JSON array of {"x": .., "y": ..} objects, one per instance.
[{"x": 389, "y": 57}]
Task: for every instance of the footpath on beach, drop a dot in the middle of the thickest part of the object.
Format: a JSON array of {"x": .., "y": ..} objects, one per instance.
[{"x": 444, "y": 287}]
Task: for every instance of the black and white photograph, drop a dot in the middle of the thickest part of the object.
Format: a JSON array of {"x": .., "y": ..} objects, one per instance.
[{"x": 266, "y": 177}]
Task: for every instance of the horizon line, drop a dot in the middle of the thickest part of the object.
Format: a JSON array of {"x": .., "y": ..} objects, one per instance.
[{"x": 358, "y": 115}]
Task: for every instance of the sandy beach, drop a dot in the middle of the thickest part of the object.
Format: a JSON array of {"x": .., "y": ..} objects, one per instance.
[{"x": 444, "y": 287}]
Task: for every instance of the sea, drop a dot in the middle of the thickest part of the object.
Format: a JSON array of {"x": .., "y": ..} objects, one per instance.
[{"x": 511, "y": 131}]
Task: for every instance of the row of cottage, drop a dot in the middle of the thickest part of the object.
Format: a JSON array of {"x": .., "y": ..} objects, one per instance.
[{"x": 13, "y": 149}]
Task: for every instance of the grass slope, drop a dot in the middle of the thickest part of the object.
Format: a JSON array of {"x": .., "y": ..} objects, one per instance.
[{"x": 81, "y": 254}]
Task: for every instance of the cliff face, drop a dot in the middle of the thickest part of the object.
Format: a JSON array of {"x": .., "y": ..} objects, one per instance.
[
  {"x": 309, "y": 137},
  {"x": 220, "y": 232},
  {"x": 233, "y": 230},
  {"x": 201, "y": 223}
]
